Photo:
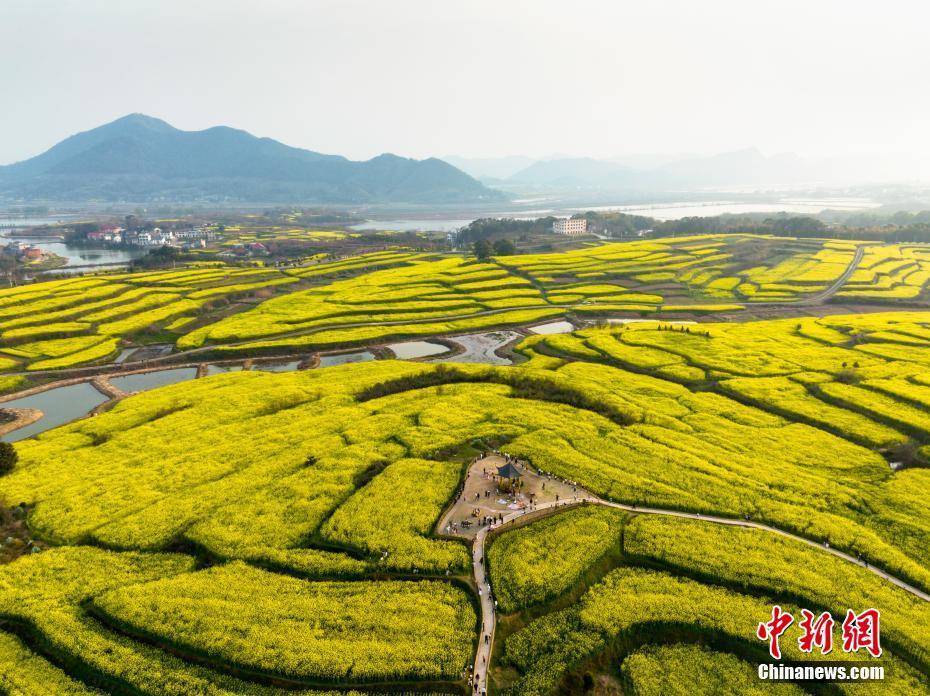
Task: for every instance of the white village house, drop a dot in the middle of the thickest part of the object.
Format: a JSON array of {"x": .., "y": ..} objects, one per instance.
[{"x": 570, "y": 226}]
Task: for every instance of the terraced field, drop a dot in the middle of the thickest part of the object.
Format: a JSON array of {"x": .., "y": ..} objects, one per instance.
[
  {"x": 256, "y": 533},
  {"x": 66, "y": 323},
  {"x": 892, "y": 273},
  {"x": 682, "y": 584},
  {"x": 389, "y": 295},
  {"x": 862, "y": 377},
  {"x": 420, "y": 288},
  {"x": 725, "y": 267},
  {"x": 234, "y": 235},
  {"x": 422, "y": 295},
  {"x": 248, "y": 531}
]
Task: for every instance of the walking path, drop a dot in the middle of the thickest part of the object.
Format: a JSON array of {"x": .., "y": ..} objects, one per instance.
[
  {"x": 581, "y": 497},
  {"x": 103, "y": 384},
  {"x": 840, "y": 282},
  {"x": 488, "y": 615}
]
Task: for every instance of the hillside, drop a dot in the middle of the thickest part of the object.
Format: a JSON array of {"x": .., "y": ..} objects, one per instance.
[{"x": 139, "y": 158}]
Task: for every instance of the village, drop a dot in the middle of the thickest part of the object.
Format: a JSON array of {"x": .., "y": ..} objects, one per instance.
[
  {"x": 147, "y": 236},
  {"x": 188, "y": 237}
]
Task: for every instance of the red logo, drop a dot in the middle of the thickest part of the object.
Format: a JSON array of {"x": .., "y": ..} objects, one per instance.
[
  {"x": 816, "y": 632},
  {"x": 772, "y": 630},
  {"x": 859, "y": 631}
]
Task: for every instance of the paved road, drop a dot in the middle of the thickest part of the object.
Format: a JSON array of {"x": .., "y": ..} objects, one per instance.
[
  {"x": 489, "y": 616},
  {"x": 840, "y": 282},
  {"x": 488, "y": 612}
]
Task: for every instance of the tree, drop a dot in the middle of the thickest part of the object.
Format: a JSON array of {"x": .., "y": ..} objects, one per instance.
[
  {"x": 504, "y": 247},
  {"x": 8, "y": 457},
  {"x": 161, "y": 257},
  {"x": 482, "y": 249}
]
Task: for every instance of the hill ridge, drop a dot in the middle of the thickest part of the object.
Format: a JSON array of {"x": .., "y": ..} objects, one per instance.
[{"x": 143, "y": 158}]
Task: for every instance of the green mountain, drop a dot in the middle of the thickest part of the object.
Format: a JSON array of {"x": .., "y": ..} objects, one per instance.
[{"x": 138, "y": 158}]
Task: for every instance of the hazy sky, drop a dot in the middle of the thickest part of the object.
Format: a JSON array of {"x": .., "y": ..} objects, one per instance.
[{"x": 476, "y": 77}]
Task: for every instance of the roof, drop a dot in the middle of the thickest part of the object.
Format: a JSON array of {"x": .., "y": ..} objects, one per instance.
[{"x": 508, "y": 471}]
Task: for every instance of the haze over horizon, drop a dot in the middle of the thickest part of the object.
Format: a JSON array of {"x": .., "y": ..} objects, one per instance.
[{"x": 478, "y": 79}]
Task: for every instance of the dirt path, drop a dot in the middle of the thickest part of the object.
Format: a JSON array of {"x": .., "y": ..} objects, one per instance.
[{"x": 103, "y": 384}]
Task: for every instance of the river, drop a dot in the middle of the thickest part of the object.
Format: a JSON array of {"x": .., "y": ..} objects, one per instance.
[
  {"x": 76, "y": 255},
  {"x": 79, "y": 256},
  {"x": 659, "y": 210}
]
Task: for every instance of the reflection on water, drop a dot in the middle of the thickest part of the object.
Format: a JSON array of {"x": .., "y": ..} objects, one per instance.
[
  {"x": 416, "y": 349},
  {"x": 79, "y": 256},
  {"x": 150, "y": 380},
  {"x": 553, "y": 327},
  {"x": 222, "y": 369},
  {"x": 343, "y": 358},
  {"x": 642, "y": 321},
  {"x": 278, "y": 367},
  {"x": 13, "y": 221},
  {"x": 60, "y": 405},
  {"x": 661, "y": 210}
]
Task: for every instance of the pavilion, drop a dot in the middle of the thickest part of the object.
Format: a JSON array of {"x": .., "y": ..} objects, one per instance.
[{"x": 508, "y": 471}]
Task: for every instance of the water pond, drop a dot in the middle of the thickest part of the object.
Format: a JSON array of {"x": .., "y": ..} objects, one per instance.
[
  {"x": 150, "y": 380},
  {"x": 59, "y": 405},
  {"x": 343, "y": 358},
  {"x": 416, "y": 349},
  {"x": 553, "y": 327}
]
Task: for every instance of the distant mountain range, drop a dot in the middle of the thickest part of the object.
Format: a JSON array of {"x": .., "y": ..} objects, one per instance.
[
  {"x": 655, "y": 173},
  {"x": 740, "y": 168},
  {"x": 138, "y": 158},
  {"x": 490, "y": 168}
]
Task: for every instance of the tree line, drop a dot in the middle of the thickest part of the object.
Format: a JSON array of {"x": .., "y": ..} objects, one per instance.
[{"x": 482, "y": 235}]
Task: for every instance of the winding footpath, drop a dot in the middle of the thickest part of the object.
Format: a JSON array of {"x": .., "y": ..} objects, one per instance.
[
  {"x": 840, "y": 282},
  {"x": 489, "y": 615}
]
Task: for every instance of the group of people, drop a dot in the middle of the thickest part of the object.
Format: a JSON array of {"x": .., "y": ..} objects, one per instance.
[
  {"x": 490, "y": 473},
  {"x": 473, "y": 678}
]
